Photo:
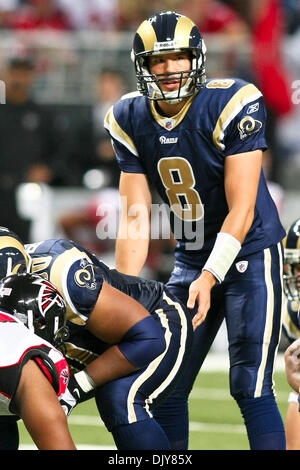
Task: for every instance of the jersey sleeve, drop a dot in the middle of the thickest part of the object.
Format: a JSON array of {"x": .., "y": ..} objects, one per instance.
[
  {"x": 82, "y": 287},
  {"x": 241, "y": 124},
  {"x": 116, "y": 124},
  {"x": 76, "y": 276}
]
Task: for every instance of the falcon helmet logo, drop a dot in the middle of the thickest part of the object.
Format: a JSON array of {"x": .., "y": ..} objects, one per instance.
[{"x": 48, "y": 296}]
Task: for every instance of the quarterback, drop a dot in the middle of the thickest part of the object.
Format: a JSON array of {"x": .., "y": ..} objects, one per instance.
[{"x": 199, "y": 142}]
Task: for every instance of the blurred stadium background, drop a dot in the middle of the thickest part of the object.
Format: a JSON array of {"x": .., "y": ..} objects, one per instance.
[{"x": 64, "y": 62}]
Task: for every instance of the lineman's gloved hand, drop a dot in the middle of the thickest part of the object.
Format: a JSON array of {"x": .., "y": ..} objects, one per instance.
[
  {"x": 68, "y": 402},
  {"x": 80, "y": 388}
]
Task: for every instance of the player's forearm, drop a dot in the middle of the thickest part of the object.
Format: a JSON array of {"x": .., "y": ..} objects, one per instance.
[
  {"x": 238, "y": 223},
  {"x": 37, "y": 405},
  {"x": 131, "y": 255},
  {"x": 109, "y": 366},
  {"x": 229, "y": 241},
  {"x": 51, "y": 433}
]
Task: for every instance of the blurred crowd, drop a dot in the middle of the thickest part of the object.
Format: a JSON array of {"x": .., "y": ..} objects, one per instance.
[
  {"x": 230, "y": 16},
  {"x": 66, "y": 146}
]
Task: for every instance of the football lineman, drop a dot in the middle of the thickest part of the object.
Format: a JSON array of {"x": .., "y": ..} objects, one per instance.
[
  {"x": 291, "y": 329},
  {"x": 129, "y": 340},
  {"x": 199, "y": 142},
  {"x": 33, "y": 373}
]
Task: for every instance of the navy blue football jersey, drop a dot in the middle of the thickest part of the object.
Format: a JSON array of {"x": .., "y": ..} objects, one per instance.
[
  {"x": 183, "y": 157},
  {"x": 79, "y": 275}
]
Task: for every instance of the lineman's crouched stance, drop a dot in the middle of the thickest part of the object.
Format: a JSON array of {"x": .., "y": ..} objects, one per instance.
[{"x": 157, "y": 346}]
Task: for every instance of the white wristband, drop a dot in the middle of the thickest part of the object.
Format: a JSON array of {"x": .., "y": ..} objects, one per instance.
[
  {"x": 85, "y": 382},
  {"x": 224, "y": 252}
]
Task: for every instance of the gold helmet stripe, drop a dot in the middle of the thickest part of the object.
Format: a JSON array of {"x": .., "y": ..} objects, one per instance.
[
  {"x": 148, "y": 35},
  {"x": 284, "y": 242},
  {"x": 183, "y": 31},
  {"x": 7, "y": 241}
]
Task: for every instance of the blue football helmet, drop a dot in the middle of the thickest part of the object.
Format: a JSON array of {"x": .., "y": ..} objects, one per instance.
[
  {"x": 168, "y": 32},
  {"x": 13, "y": 257},
  {"x": 37, "y": 303},
  {"x": 291, "y": 276}
]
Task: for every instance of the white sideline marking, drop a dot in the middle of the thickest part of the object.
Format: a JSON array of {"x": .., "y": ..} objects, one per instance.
[
  {"x": 194, "y": 425},
  {"x": 79, "y": 447},
  {"x": 218, "y": 428},
  {"x": 216, "y": 361},
  {"x": 223, "y": 394}
]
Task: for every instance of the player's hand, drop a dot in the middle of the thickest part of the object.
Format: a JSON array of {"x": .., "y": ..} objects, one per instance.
[
  {"x": 199, "y": 292},
  {"x": 68, "y": 402},
  {"x": 292, "y": 365}
]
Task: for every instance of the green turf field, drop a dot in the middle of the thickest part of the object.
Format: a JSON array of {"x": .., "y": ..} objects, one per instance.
[{"x": 215, "y": 420}]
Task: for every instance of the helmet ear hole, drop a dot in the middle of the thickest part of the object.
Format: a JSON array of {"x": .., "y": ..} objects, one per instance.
[{"x": 40, "y": 324}]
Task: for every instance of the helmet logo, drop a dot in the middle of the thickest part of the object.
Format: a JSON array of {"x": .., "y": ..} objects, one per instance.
[{"x": 48, "y": 296}]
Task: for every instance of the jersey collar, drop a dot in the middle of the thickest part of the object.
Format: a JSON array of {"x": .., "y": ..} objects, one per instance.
[{"x": 169, "y": 123}]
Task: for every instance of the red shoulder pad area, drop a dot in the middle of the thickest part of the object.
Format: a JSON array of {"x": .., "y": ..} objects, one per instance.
[{"x": 4, "y": 317}]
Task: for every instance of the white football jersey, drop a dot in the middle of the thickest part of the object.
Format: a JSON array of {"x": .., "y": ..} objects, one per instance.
[{"x": 17, "y": 345}]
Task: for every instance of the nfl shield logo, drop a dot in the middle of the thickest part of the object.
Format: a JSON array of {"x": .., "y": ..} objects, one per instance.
[
  {"x": 241, "y": 266},
  {"x": 169, "y": 123}
]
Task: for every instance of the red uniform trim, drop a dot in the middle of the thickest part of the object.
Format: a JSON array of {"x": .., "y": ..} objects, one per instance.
[{"x": 6, "y": 318}]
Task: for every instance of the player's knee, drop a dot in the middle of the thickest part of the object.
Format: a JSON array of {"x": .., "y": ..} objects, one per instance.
[
  {"x": 242, "y": 382},
  {"x": 144, "y": 342},
  {"x": 113, "y": 403}
]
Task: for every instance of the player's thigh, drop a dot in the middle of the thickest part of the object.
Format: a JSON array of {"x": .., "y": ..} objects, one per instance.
[
  {"x": 253, "y": 303},
  {"x": 180, "y": 280},
  {"x": 131, "y": 398}
]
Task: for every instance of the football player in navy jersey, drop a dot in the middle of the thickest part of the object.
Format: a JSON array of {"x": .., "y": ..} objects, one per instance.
[
  {"x": 33, "y": 373},
  {"x": 129, "y": 338},
  {"x": 291, "y": 327},
  {"x": 199, "y": 142}
]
